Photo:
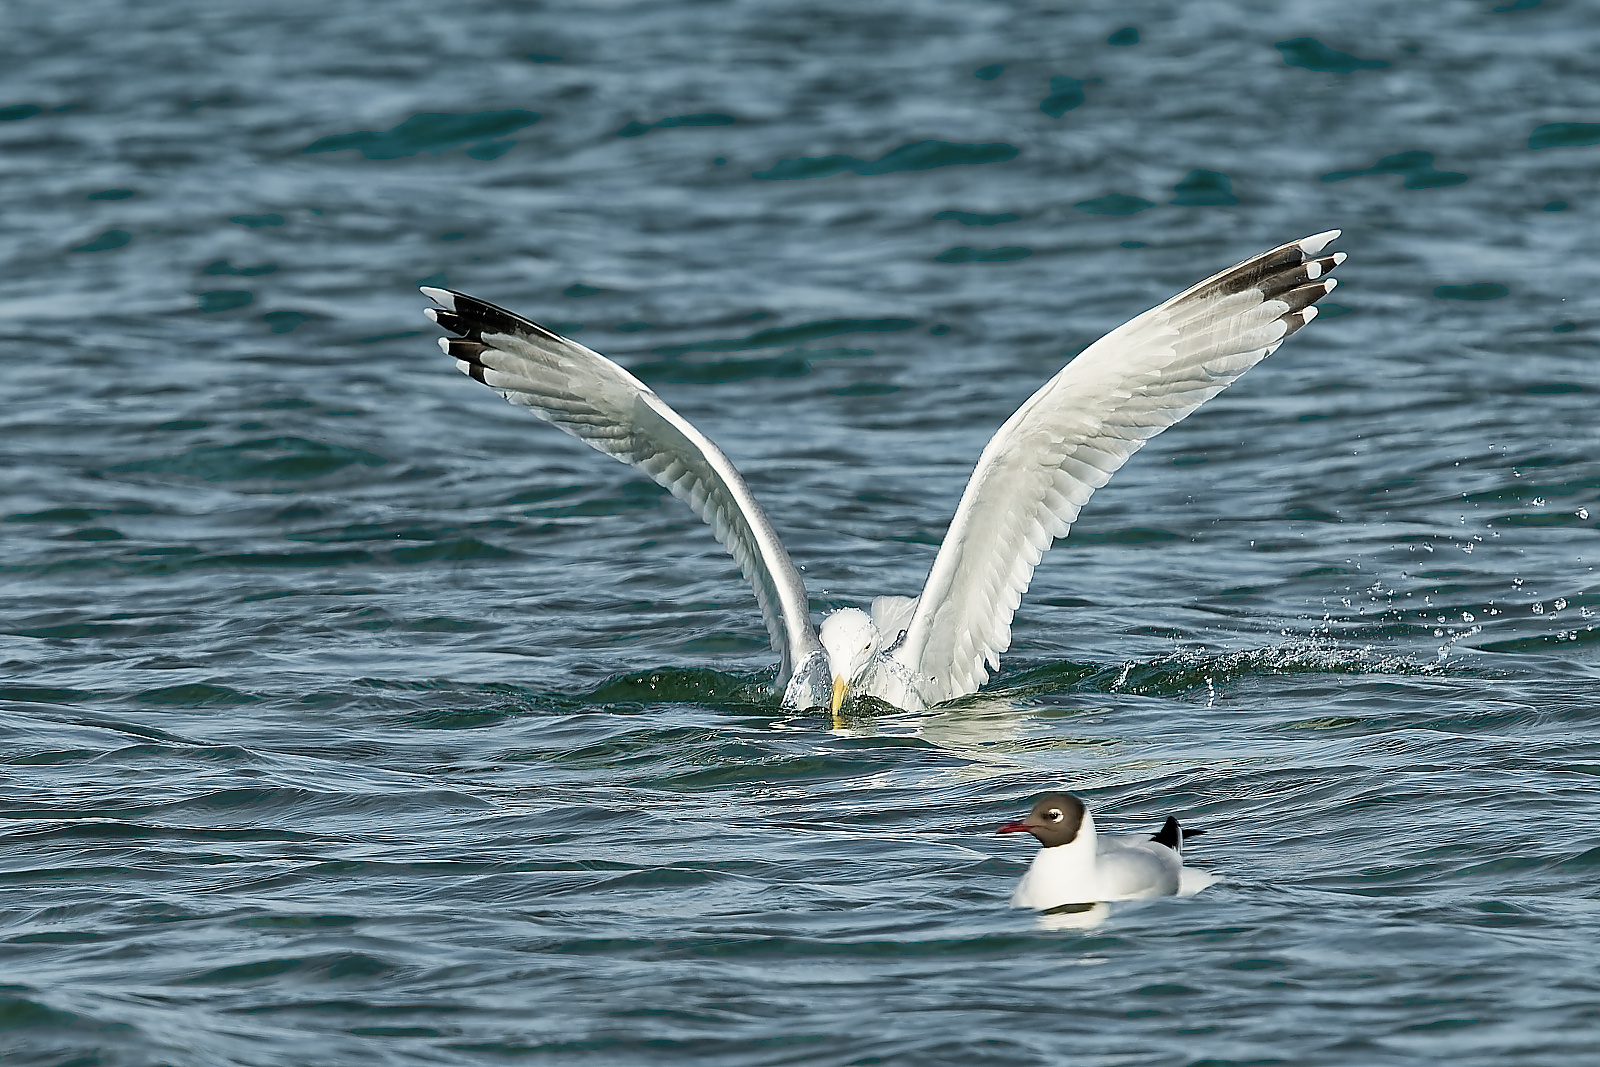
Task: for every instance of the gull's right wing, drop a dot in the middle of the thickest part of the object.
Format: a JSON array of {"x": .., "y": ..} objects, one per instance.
[
  {"x": 602, "y": 405},
  {"x": 1075, "y": 432}
]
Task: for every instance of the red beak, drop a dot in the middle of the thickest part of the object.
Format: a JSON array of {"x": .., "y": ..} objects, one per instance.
[{"x": 1013, "y": 828}]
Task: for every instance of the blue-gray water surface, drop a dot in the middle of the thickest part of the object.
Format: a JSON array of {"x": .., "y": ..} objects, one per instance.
[{"x": 350, "y": 716}]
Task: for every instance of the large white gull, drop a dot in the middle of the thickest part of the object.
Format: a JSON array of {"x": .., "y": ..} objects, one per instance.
[{"x": 1030, "y": 482}]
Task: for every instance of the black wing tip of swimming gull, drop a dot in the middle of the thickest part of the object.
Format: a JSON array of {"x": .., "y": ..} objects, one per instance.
[
  {"x": 472, "y": 318},
  {"x": 1170, "y": 834},
  {"x": 1173, "y": 835}
]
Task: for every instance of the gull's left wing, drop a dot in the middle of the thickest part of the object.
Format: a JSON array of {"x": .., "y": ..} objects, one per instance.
[
  {"x": 1075, "y": 432},
  {"x": 582, "y": 392}
]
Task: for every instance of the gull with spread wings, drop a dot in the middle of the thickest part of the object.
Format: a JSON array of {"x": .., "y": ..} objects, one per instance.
[{"x": 1030, "y": 482}]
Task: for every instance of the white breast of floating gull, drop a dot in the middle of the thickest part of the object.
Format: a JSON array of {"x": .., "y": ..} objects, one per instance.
[
  {"x": 1076, "y": 866},
  {"x": 1032, "y": 479}
]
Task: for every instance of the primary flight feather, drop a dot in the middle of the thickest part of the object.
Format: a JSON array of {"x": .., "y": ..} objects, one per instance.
[{"x": 1033, "y": 477}]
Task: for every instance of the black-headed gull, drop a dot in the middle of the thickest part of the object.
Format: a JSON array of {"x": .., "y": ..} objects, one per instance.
[{"x": 1076, "y": 866}]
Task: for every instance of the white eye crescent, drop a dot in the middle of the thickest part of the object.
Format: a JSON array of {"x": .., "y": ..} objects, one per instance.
[{"x": 1054, "y": 815}]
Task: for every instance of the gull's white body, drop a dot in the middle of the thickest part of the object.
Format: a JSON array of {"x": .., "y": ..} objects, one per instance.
[
  {"x": 1094, "y": 869},
  {"x": 1029, "y": 484}
]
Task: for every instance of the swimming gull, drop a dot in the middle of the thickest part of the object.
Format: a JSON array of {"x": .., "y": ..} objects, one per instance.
[
  {"x": 1077, "y": 866},
  {"x": 1030, "y": 482}
]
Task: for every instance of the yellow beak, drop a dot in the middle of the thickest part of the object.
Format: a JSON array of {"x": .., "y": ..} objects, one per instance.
[{"x": 840, "y": 686}]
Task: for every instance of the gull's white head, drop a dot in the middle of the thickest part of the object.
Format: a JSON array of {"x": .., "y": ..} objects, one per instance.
[{"x": 851, "y": 641}]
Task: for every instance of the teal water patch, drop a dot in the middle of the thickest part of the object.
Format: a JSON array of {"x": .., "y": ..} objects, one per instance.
[
  {"x": 1065, "y": 94},
  {"x": 488, "y": 150},
  {"x": 17, "y": 1013},
  {"x": 221, "y": 266},
  {"x": 723, "y": 642},
  {"x": 1538, "y": 519},
  {"x": 45, "y": 694},
  {"x": 463, "y": 548},
  {"x": 1545, "y": 642},
  {"x": 722, "y": 371},
  {"x": 17, "y": 112},
  {"x": 793, "y": 364},
  {"x": 440, "y": 624},
  {"x": 1204, "y": 188},
  {"x": 967, "y": 218},
  {"x": 784, "y": 336},
  {"x": 1326, "y": 310},
  {"x": 1555, "y": 205},
  {"x": 923, "y": 155},
  {"x": 284, "y": 459},
  {"x": 1314, "y": 55},
  {"x": 255, "y": 222},
  {"x": 1564, "y": 327},
  {"x": 865, "y": 389},
  {"x": 538, "y": 496},
  {"x": 1113, "y": 204},
  {"x": 579, "y": 290},
  {"x": 431, "y": 132},
  {"x": 1565, "y": 135},
  {"x": 1128, "y": 35},
  {"x": 963, "y": 254},
  {"x": 110, "y": 194},
  {"x": 635, "y": 496},
  {"x": 1415, "y": 167},
  {"x": 639, "y": 129},
  {"x": 990, "y": 72},
  {"x": 106, "y": 241},
  {"x": 1135, "y": 535},
  {"x": 670, "y": 685},
  {"x": 245, "y": 972},
  {"x": 195, "y": 695},
  {"x": 540, "y": 57},
  {"x": 632, "y": 327},
  {"x": 284, "y": 321},
  {"x": 71, "y": 631},
  {"x": 224, "y": 300},
  {"x": 58, "y": 515},
  {"x": 1475, "y": 291},
  {"x": 1531, "y": 490}
]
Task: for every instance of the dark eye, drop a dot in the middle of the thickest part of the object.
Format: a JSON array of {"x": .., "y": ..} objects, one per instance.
[{"x": 1053, "y": 815}]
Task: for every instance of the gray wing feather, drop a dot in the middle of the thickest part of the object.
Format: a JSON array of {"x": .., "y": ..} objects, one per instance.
[
  {"x": 1075, "y": 432},
  {"x": 596, "y": 401}
]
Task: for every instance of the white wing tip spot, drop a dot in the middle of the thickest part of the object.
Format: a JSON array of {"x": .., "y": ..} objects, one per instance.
[
  {"x": 444, "y": 345},
  {"x": 1313, "y": 269},
  {"x": 1330, "y": 285},
  {"x": 441, "y": 297},
  {"x": 1338, "y": 258},
  {"x": 1307, "y": 314},
  {"x": 464, "y": 367},
  {"x": 1318, "y": 241},
  {"x": 432, "y": 313}
]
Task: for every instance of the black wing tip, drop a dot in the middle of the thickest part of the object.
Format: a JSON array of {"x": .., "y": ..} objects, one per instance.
[
  {"x": 472, "y": 318},
  {"x": 1173, "y": 835}
]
